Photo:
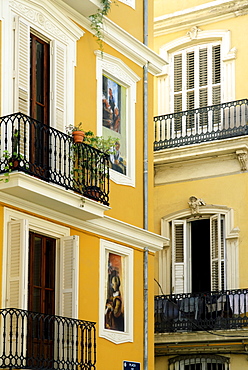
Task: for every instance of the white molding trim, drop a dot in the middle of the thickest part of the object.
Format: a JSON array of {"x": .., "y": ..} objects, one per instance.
[
  {"x": 115, "y": 336},
  {"x": 48, "y": 20},
  {"x": 116, "y": 69},
  {"x": 193, "y": 37},
  {"x": 120, "y": 40},
  {"x": 36, "y": 201},
  {"x": 202, "y": 37},
  {"x": 210, "y": 12},
  {"x": 231, "y": 237},
  {"x": 130, "y": 3}
]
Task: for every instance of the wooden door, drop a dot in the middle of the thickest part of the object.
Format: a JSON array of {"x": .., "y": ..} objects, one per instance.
[
  {"x": 41, "y": 300},
  {"x": 39, "y": 105}
]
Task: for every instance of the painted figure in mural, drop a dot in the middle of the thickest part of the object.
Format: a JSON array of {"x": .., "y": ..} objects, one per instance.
[
  {"x": 117, "y": 162},
  {"x": 114, "y": 318},
  {"x": 107, "y": 114}
]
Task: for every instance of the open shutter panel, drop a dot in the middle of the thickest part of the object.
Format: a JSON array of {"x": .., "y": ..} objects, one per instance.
[
  {"x": 59, "y": 68},
  {"x": 17, "y": 265},
  {"x": 217, "y": 253},
  {"x": 22, "y": 53},
  {"x": 69, "y": 276},
  {"x": 178, "y": 256}
]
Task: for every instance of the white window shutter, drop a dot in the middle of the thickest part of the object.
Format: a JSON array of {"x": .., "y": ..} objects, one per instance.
[
  {"x": 22, "y": 65},
  {"x": 17, "y": 265},
  {"x": 179, "y": 273},
  {"x": 59, "y": 83},
  {"x": 69, "y": 253},
  {"x": 218, "y": 265}
]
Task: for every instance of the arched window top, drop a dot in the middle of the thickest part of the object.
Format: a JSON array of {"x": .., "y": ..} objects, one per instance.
[{"x": 199, "y": 362}]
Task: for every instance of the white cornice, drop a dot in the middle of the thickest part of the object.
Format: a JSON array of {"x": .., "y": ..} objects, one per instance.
[
  {"x": 203, "y": 150},
  {"x": 48, "y": 18},
  {"x": 40, "y": 193},
  {"x": 199, "y": 15},
  {"x": 47, "y": 200},
  {"x": 119, "y": 39}
]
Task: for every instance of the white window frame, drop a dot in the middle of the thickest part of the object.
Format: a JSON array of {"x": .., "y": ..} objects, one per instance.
[
  {"x": 228, "y": 56},
  {"x": 130, "y": 3},
  {"x": 197, "y": 87},
  {"x": 49, "y": 22},
  {"x": 51, "y": 230},
  {"x": 115, "y": 336},
  {"x": 114, "y": 68},
  {"x": 231, "y": 237}
]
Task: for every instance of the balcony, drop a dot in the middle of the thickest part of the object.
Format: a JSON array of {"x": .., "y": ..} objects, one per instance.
[
  {"x": 201, "y": 311},
  {"x": 32, "y": 340},
  {"x": 29, "y": 146},
  {"x": 216, "y": 122}
]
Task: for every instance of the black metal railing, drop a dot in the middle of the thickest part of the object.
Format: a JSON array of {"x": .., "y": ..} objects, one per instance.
[
  {"x": 30, "y": 340},
  {"x": 193, "y": 126},
  {"x": 201, "y": 311},
  {"x": 29, "y": 146}
]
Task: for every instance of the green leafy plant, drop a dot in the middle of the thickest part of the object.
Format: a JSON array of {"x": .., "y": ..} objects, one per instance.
[{"x": 97, "y": 21}]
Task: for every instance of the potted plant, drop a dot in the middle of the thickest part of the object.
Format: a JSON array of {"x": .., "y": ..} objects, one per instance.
[
  {"x": 77, "y": 132},
  {"x": 89, "y": 170}
]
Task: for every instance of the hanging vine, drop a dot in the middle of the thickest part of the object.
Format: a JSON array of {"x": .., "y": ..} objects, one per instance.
[{"x": 97, "y": 21}]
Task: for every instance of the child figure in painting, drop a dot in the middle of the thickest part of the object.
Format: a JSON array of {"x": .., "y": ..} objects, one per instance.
[{"x": 114, "y": 308}]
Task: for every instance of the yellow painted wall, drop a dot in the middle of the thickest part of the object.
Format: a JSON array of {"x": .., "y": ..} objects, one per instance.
[
  {"x": 126, "y": 201},
  {"x": 167, "y": 7},
  {"x": 131, "y": 20}
]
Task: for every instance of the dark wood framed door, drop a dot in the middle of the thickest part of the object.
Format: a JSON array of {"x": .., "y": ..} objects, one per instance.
[
  {"x": 39, "y": 105},
  {"x": 41, "y": 300}
]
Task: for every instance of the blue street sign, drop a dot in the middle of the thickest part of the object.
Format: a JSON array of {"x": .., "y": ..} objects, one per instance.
[{"x": 130, "y": 365}]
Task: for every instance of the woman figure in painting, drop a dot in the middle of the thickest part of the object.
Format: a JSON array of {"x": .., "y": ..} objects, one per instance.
[{"x": 114, "y": 307}]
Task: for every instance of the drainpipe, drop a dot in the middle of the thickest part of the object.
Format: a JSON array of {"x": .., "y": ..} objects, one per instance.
[{"x": 145, "y": 184}]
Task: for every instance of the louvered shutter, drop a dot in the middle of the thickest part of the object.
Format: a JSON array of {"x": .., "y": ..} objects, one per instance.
[
  {"x": 203, "y": 82},
  {"x": 218, "y": 265},
  {"x": 179, "y": 273},
  {"x": 178, "y": 91},
  {"x": 59, "y": 73},
  {"x": 14, "y": 325},
  {"x": 22, "y": 68},
  {"x": 17, "y": 265},
  {"x": 216, "y": 81},
  {"x": 69, "y": 276}
]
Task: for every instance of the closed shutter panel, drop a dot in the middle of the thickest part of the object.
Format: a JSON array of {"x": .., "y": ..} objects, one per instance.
[
  {"x": 178, "y": 91},
  {"x": 68, "y": 299},
  {"x": 69, "y": 276},
  {"x": 22, "y": 52},
  {"x": 218, "y": 273},
  {"x": 17, "y": 265},
  {"x": 216, "y": 80},
  {"x": 190, "y": 86},
  {"x": 15, "y": 325},
  {"x": 59, "y": 66},
  {"x": 179, "y": 274}
]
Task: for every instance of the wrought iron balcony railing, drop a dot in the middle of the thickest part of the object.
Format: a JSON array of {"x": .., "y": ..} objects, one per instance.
[
  {"x": 201, "y": 311},
  {"x": 193, "y": 126},
  {"x": 30, "y": 340},
  {"x": 44, "y": 152}
]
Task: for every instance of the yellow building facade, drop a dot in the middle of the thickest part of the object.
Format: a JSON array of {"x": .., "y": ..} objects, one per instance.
[
  {"x": 73, "y": 239},
  {"x": 200, "y": 161}
]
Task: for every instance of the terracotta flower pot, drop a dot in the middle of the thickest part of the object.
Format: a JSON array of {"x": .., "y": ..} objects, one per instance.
[{"x": 78, "y": 136}]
